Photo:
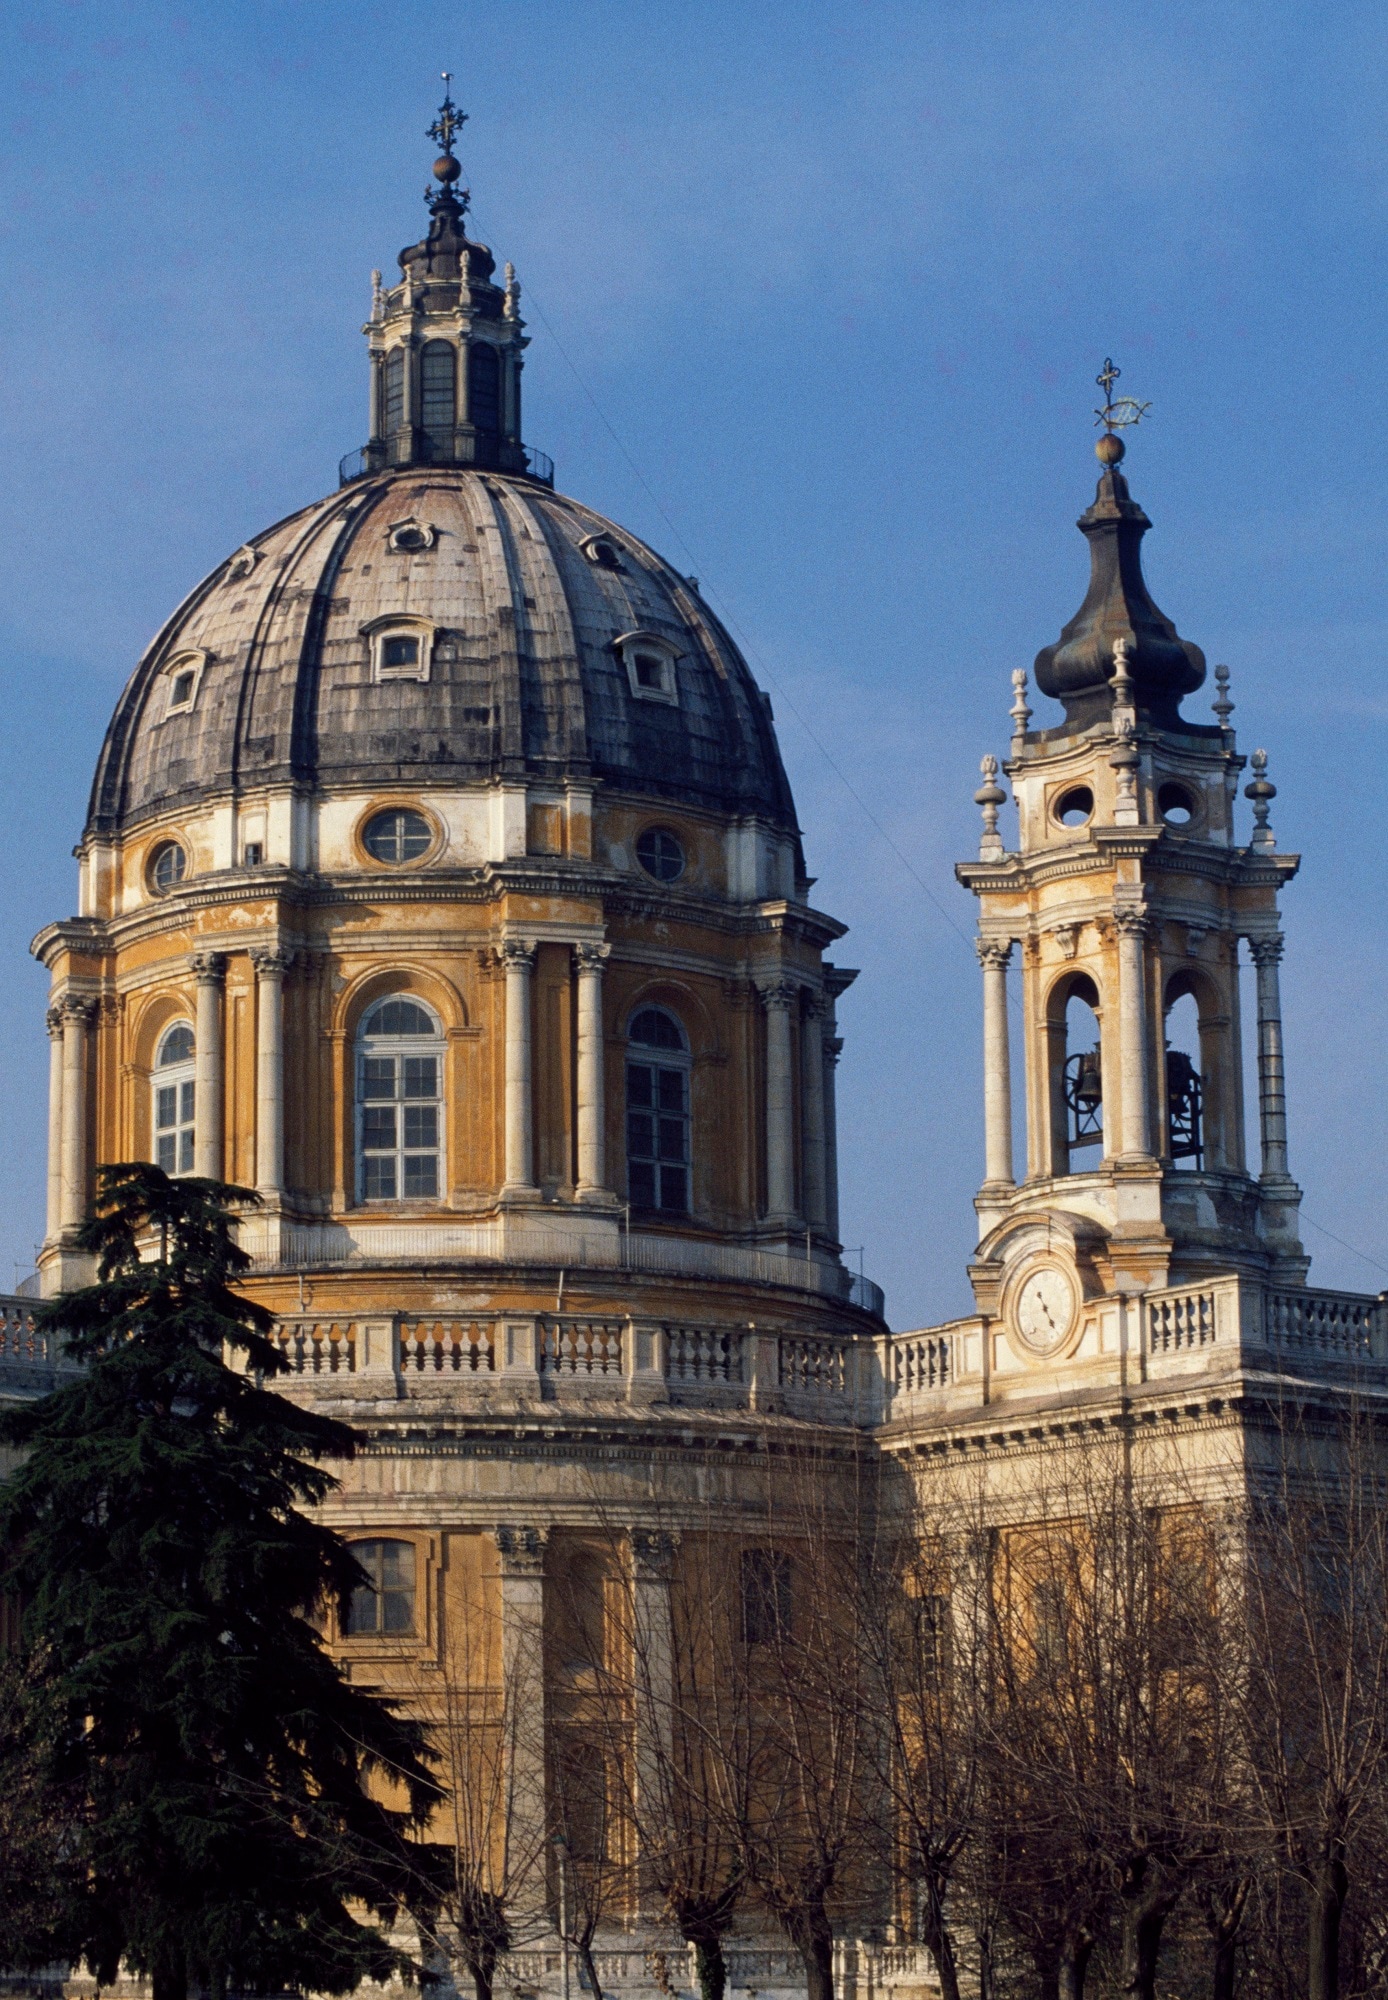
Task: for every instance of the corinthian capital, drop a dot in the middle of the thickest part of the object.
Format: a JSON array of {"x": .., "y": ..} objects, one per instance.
[
  {"x": 1131, "y": 923},
  {"x": 994, "y": 954},
  {"x": 272, "y": 964},
  {"x": 209, "y": 967},
  {"x": 78, "y": 1007},
  {"x": 653, "y": 1551},
  {"x": 53, "y": 1020},
  {"x": 592, "y": 955},
  {"x": 777, "y": 993},
  {"x": 1265, "y": 951},
  {"x": 521, "y": 1548},
  {"x": 517, "y": 952}
]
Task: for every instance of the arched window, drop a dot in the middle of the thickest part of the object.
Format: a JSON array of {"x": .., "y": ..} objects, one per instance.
[
  {"x": 438, "y": 392},
  {"x": 1185, "y": 1138},
  {"x": 484, "y": 387},
  {"x": 1079, "y": 1081},
  {"x": 399, "y": 1113},
  {"x": 395, "y": 390},
  {"x": 173, "y": 1100},
  {"x": 386, "y": 1603},
  {"x": 657, "y": 1113}
]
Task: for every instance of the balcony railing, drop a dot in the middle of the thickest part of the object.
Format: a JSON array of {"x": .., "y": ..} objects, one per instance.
[{"x": 420, "y": 447}]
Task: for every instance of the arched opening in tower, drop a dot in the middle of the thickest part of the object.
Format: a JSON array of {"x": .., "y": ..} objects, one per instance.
[
  {"x": 1078, "y": 1077},
  {"x": 1185, "y": 1111}
]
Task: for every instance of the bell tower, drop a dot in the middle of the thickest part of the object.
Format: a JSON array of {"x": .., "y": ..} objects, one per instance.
[{"x": 1124, "y": 909}]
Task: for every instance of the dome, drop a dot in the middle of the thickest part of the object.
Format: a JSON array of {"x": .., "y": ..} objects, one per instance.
[{"x": 534, "y": 622}]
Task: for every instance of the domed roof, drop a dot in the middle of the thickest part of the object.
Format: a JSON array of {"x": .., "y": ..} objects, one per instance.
[{"x": 525, "y": 598}]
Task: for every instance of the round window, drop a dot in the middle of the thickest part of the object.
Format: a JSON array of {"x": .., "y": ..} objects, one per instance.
[
  {"x": 168, "y": 866},
  {"x": 397, "y": 836},
  {"x": 660, "y": 854},
  {"x": 1175, "y": 805},
  {"x": 1074, "y": 807}
]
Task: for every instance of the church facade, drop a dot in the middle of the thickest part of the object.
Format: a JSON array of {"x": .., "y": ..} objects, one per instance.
[{"x": 442, "y": 882}]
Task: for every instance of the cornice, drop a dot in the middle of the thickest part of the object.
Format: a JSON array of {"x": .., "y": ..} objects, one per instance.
[{"x": 1237, "y": 867}]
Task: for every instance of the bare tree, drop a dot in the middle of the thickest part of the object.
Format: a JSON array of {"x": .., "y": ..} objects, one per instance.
[
  {"x": 1309, "y": 1672},
  {"x": 489, "y": 1832}
]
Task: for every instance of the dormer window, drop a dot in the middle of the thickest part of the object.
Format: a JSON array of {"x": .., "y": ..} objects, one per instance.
[
  {"x": 602, "y": 552},
  {"x": 650, "y": 664},
  {"x": 401, "y": 649},
  {"x": 182, "y": 677}
]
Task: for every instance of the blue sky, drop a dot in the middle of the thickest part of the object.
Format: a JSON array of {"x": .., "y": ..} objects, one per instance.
[{"x": 817, "y": 296}]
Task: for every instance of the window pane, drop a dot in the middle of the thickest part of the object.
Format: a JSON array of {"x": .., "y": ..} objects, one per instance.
[
  {"x": 176, "y": 1046},
  {"x": 378, "y": 1127},
  {"x": 671, "y": 1089},
  {"x": 378, "y": 1177},
  {"x": 167, "y": 1101},
  {"x": 674, "y": 1190},
  {"x": 363, "y": 1610},
  {"x": 421, "y": 1125},
  {"x": 484, "y": 387},
  {"x": 400, "y": 653},
  {"x": 395, "y": 390},
  {"x": 640, "y": 1135},
  {"x": 640, "y": 1084},
  {"x": 398, "y": 1607},
  {"x": 185, "y": 1152},
  {"x": 399, "y": 1017},
  {"x": 421, "y": 1077},
  {"x": 378, "y": 1076},
  {"x": 437, "y": 378},
  {"x": 397, "y": 1565},
  {"x": 672, "y": 1139},
  {"x": 421, "y": 1174},
  {"x": 641, "y": 1184},
  {"x": 167, "y": 1148},
  {"x": 185, "y": 1104}
]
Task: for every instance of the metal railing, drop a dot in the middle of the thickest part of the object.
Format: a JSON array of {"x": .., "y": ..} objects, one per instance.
[{"x": 421, "y": 447}]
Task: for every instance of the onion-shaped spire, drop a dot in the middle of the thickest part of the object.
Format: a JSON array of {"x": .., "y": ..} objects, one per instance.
[{"x": 1078, "y": 669}]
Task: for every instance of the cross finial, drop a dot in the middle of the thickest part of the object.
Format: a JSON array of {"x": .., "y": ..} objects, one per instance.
[
  {"x": 450, "y": 120},
  {"x": 1119, "y": 412}
]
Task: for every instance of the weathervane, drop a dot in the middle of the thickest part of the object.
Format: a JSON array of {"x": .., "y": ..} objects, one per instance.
[
  {"x": 443, "y": 131},
  {"x": 1118, "y": 414}
]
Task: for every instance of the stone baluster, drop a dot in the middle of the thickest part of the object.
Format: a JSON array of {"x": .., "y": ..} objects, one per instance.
[
  {"x": 1134, "y": 1093},
  {"x": 78, "y": 1015},
  {"x": 518, "y": 957},
  {"x": 270, "y": 969},
  {"x": 1272, "y": 1090},
  {"x": 779, "y": 997},
  {"x": 993, "y": 955},
  {"x": 592, "y": 1165},
  {"x": 55, "y": 1123},
  {"x": 209, "y": 971}
]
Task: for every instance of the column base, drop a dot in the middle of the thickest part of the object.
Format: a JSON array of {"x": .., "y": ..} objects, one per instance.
[
  {"x": 600, "y": 1198},
  {"x": 515, "y": 1194}
]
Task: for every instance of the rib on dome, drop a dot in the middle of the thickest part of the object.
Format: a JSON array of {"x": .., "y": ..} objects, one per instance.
[{"x": 525, "y": 595}]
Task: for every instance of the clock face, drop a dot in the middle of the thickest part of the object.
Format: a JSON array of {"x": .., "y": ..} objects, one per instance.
[{"x": 1044, "y": 1308}]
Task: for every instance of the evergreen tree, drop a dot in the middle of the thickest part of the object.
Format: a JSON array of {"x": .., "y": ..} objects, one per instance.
[{"x": 233, "y": 1829}]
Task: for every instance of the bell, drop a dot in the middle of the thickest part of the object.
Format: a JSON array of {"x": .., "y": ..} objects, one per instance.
[{"x": 1089, "y": 1081}]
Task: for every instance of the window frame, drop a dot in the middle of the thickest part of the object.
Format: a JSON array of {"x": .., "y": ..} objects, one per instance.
[
  {"x": 633, "y": 647},
  {"x": 393, "y": 371},
  {"x": 438, "y": 433},
  {"x": 179, "y": 1078},
  {"x": 378, "y": 1634},
  {"x": 168, "y": 845},
  {"x": 191, "y": 662},
  {"x": 655, "y": 1059},
  {"x": 382, "y": 630},
  {"x": 367, "y": 1047},
  {"x": 653, "y": 831}
]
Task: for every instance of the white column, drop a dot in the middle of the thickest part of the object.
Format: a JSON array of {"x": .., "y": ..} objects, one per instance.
[
  {"x": 55, "y": 1123},
  {"x": 779, "y": 997},
  {"x": 209, "y": 971},
  {"x": 813, "y": 1165},
  {"x": 522, "y": 1556},
  {"x": 592, "y": 1166},
  {"x": 78, "y": 1016},
  {"x": 270, "y": 969},
  {"x": 519, "y": 959},
  {"x": 993, "y": 954},
  {"x": 652, "y": 1640},
  {"x": 1272, "y": 1090},
  {"x": 1134, "y": 1094}
]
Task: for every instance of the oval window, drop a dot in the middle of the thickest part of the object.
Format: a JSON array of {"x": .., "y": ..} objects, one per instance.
[
  {"x": 397, "y": 836},
  {"x": 660, "y": 854},
  {"x": 1175, "y": 805},
  {"x": 1074, "y": 808},
  {"x": 168, "y": 866}
]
